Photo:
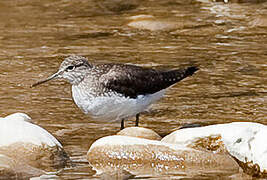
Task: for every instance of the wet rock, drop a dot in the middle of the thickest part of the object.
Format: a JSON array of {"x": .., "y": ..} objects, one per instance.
[
  {"x": 6, "y": 167},
  {"x": 177, "y": 27},
  {"x": 240, "y": 176},
  {"x": 189, "y": 126},
  {"x": 148, "y": 22},
  {"x": 118, "y": 174},
  {"x": 244, "y": 141},
  {"x": 140, "y": 132},
  {"x": 12, "y": 169},
  {"x": 29, "y": 145},
  {"x": 210, "y": 143},
  {"x": 140, "y": 156}
]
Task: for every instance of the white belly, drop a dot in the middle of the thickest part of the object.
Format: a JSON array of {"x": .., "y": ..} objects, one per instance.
[{"x": 113, "y": 108}]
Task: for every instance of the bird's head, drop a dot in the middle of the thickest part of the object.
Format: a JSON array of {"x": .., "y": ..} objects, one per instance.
[{"x": 73, "y": 69}]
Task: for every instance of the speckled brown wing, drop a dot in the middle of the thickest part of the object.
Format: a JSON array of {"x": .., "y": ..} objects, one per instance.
[{"x": 132, "y": 81}]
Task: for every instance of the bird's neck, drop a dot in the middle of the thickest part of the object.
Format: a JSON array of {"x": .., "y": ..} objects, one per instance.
[{"x": 78, "y": 77}]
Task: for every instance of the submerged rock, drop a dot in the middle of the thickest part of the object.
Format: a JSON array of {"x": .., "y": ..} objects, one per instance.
[
  {"x": 175, "y": 26},
  {"x": 140, "y": 156},
  {"x": 12, "y": 169},
  {"x": 148, "y": 22},
  {"x": 140, "y": 132},
  {"x": 29, "y": 146},
  {"x": 245, "y": 141}
]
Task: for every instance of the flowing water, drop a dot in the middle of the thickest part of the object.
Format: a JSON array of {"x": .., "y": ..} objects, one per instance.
[{"x": 227, "y": 41}]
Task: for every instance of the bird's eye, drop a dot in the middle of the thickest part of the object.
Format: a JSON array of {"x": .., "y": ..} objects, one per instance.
[{"x": 70, "y": 68}]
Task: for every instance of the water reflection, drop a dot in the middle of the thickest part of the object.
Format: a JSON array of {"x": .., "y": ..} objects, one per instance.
[{"x": 221, "y": 38}]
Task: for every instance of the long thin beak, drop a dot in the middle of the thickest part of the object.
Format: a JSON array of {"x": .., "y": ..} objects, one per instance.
[{"x": 54, "y": 76}]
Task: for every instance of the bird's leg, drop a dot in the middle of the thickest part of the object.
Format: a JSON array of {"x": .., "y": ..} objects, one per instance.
[
  {"x": 137, "y": 119},
  {"x": 122, "y": 124}
]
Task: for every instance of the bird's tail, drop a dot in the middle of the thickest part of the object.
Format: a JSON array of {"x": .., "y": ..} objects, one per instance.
[{"x": 177, "y": 75}]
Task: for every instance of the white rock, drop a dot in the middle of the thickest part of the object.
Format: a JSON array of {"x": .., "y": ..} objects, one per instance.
[
  {"x": 140, "y": 132},
  {"x": 124, "y": 140},
  {"x": 246, "y": 141},
  {"x": 31, "y": 148},
  {"x": 18, "y": 128},
  {"x": 140, "y": 156}
]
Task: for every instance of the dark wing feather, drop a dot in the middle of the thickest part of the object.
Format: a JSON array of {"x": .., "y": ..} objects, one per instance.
[{"x": 132, "y": 81}]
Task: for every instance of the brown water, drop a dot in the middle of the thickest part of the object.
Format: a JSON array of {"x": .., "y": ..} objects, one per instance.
[{"x": 227, "y": 41}]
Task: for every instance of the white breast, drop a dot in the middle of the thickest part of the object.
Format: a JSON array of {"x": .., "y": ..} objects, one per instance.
[{"x": 113, "y": 107}]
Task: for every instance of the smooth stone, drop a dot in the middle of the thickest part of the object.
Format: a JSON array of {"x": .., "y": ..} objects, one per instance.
[
  {"x": 140, "y": 156},
  {"x": 148, "y": 22},
  {"x": 29, "y": 144},
  {"x": 245, "y": 141},
  {"x": 17, "y": 127},
  {"x": 140, "y": 132}
]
